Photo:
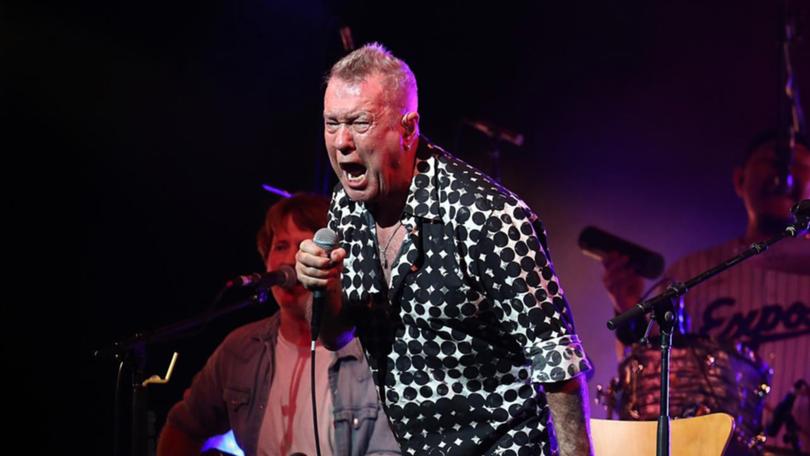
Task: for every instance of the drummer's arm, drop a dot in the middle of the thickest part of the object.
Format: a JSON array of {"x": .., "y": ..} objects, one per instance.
[{"x": 625, "y": 287}]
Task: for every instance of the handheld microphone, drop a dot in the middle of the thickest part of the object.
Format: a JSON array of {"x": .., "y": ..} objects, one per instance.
[
  {"x": 284, "y": 277},
  {"x": 327, "y": 240},
  {"x": 598, "y": 243}
]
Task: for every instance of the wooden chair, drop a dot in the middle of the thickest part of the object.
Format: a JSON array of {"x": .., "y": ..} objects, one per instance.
[{"x": 705, "y": 435}]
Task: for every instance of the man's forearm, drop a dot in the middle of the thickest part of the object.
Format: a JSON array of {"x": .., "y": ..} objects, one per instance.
[
  {"x": 568, "y": 402},
  {"x": 337, "y": 326}
]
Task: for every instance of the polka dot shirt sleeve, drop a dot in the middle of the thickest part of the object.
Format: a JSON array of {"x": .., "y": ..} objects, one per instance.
[{"x": 517, "y": 275}]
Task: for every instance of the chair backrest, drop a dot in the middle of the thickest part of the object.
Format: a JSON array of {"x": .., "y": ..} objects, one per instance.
[{"x": 699, "y": 436}]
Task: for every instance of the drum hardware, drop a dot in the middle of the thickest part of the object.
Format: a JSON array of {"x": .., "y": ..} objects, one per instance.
[
  {"x": 763, "y": 390},
  {"x": 663, "y": 309},
  {"x": 708, "y": 376}
]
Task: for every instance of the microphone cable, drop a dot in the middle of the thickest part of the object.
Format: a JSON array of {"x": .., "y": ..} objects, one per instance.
[{"x": 314, "y": 400}]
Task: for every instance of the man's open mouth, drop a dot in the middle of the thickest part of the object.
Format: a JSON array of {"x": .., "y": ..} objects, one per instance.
[{"x": 355, "y": 173}]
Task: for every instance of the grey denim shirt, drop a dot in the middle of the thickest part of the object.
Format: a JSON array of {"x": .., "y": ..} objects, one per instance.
[{"x": 231, "y": 392}]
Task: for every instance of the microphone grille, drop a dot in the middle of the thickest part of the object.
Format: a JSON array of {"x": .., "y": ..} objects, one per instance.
[
  {"x": 325, "y": 239},
  {"x": 290, "y": 277}
]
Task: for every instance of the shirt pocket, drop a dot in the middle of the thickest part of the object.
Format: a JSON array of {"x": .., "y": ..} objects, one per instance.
[
  {"x": 354, "y": 428},
  {"x": 356, "y": 418},
  {"x": 236, "y": 398}
]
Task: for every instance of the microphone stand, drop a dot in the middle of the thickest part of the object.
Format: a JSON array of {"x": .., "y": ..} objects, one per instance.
[
  {"x": 496, "y": 135},
  {"x": 663, "y": 310},
  {"x": 132, "y": 353}
]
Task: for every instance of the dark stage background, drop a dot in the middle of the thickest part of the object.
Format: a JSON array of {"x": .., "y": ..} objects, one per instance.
[{"x": 633, "y": 113}]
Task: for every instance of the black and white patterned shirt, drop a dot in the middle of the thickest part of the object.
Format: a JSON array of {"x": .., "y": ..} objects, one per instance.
[{"x": 474, "y": 319}]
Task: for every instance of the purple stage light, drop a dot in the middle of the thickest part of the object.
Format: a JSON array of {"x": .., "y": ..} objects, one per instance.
[
  {"x": 225, "y": 442},
  {"x": 278, "y": 191}
]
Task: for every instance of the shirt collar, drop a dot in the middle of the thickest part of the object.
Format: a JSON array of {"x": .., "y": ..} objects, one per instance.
[{"x": 423, "y": 195}]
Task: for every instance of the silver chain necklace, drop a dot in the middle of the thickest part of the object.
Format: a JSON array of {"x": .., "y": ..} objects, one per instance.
[{"x": 385, "y": 250}]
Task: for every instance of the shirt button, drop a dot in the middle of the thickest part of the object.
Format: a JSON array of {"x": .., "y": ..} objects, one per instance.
[{"x": 356, "y": 422}]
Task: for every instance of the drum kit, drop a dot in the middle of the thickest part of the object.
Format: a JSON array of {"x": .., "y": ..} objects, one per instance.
[{"x": 706, "y": 376}]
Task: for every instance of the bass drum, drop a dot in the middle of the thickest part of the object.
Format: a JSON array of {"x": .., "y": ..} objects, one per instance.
[{"x": 705, "y": 376}]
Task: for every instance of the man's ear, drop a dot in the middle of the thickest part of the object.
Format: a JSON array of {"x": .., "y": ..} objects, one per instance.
[{"x": 410, "y": 122}]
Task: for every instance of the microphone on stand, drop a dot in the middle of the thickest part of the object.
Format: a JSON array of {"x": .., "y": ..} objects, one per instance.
[
  {"x": 790, "y": 118},
  {"x": 284, "y": 277},
  {"x": 346, "y": 38},
  {"x": 801, "y": 215},
  {"x": 496, "y": 132},
  {"x": 598, "y": 243},
  {"x": 801, "y": 210}
]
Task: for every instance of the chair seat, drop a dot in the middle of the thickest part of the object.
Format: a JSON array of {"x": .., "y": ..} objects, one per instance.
[{"x": 698, "y": 436}]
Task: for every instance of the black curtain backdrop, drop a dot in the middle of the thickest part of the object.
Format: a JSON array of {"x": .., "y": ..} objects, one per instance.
[{"x": 167, "y": 117}]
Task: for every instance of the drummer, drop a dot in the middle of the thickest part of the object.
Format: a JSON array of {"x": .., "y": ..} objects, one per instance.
[{"x": 763, "y": 302}]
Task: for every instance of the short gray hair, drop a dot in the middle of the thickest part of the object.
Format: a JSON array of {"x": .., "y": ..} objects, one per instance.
[{"x": 375, "y": 58}]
